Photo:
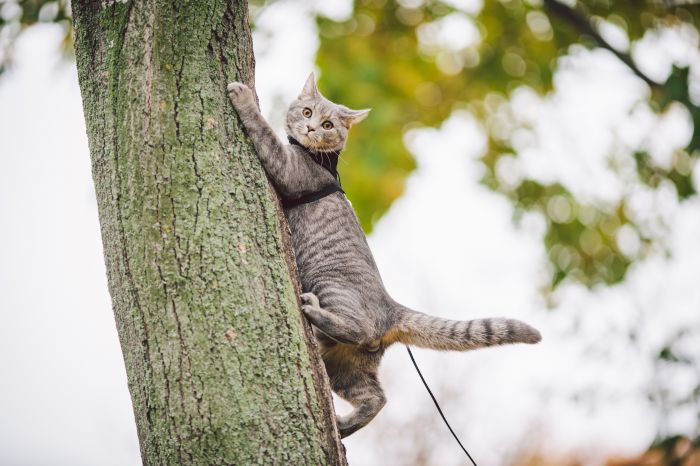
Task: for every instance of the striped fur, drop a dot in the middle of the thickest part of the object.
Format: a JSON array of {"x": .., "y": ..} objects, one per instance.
[
  {"x": 422, "y": 330},
  {"x": 353, "y": 316}
]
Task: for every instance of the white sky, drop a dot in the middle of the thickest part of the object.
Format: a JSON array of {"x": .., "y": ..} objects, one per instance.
[{"x": 447, "y": 247}]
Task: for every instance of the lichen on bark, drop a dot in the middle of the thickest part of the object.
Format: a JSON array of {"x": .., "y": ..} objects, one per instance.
[{"x": 222, "y": 369}]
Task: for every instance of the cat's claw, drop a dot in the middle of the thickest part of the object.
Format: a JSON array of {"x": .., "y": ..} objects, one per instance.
[
  {"x": 236, "y": 87},
  {"x": 239, "y": 93},
  {"x": 310, "y": 300}
]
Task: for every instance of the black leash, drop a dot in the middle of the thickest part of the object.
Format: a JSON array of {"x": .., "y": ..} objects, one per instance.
[{"x": 438, "y": 406}]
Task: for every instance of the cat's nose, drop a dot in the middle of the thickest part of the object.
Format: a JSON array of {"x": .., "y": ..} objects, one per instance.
[{"x": 309, "y": 129}]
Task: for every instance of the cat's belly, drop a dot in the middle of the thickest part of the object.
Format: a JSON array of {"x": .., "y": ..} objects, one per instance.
[{"x": 330, "y": 247}]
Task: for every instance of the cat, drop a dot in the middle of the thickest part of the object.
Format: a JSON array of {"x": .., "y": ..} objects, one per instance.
[{"x": 353, "y": 317}]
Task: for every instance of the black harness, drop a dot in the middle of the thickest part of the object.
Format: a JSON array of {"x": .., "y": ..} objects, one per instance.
[{"x": 329, "y": 161}]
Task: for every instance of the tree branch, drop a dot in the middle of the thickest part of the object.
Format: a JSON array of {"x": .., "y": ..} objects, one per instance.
[{"x": 578, "y": 20}]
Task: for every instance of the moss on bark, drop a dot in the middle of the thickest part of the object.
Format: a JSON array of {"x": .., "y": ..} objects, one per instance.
[{"x": 222, "y": 369}]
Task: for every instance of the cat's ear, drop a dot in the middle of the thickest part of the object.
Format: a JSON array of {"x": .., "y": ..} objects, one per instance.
[
  {"x": 351, "y": 117},
  {"x": 310, "y": 89}
]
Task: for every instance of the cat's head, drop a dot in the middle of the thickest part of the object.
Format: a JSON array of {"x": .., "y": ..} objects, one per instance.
[{"x": 317, "y": 123}]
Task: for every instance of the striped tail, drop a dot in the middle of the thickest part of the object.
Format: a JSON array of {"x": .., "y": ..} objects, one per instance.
[{"x": 424, "y": 331}]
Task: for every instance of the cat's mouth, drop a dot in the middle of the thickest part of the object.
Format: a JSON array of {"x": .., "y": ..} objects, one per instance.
[{"x": 309, "y": 141}]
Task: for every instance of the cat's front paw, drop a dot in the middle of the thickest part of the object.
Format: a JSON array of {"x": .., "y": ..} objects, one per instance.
[{"x": 240, "y": 94}]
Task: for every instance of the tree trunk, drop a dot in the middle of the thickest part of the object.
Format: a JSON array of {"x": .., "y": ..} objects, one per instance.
[{"x": 222, "y": 368}]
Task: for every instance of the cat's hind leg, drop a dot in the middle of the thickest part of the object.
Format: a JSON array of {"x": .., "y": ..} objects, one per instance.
[
  {"x": 366, "y": 396},
  {"x": 336, "y": 326}
]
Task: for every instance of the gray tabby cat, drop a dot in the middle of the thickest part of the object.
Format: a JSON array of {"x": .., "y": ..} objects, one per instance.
[{"x": 354, "y": 318}]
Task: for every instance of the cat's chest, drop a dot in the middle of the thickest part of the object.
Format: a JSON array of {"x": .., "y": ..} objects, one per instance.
[{"x": 323, "y": 218}]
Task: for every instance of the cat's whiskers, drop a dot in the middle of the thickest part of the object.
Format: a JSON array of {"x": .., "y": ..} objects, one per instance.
[
  {"x": 325, "y": 156},
  {"x": 341, "y": 158},
  {"x": 328, "y": 153}
]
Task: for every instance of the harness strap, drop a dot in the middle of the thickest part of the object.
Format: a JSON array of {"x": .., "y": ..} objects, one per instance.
[
  {"x": 329, "y": 161},
  {"x": 288, "y": 203}
]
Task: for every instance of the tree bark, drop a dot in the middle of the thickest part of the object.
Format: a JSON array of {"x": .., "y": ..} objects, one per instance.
[{"x": 222, "y": 369}]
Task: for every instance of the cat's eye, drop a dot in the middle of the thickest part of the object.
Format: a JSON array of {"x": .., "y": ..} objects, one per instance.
[
  {"x": 306, "y": 112},
  {"x": 327, "y": 125}
]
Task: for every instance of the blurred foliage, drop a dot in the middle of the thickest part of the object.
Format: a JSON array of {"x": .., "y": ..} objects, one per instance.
[
  {"x": 672, "y": 451},
  {"x": 15, "y": 16},
  {"x": 389, "y": 55},
  {"x": 580, "y": 243}
]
